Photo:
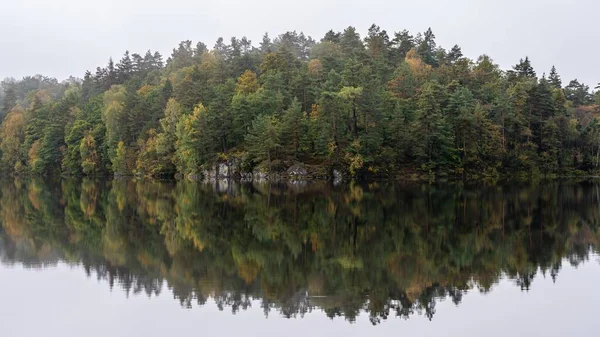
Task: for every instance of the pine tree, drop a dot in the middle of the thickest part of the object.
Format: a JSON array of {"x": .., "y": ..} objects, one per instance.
[
  {"x": 111, "y": 74},
  {"x": 350, "y": 42},
  {"x": 263, "y": 142},
  {"x": 124, "y": 68},
  {"x": 332, "y": 36},
  {"x": 403, "y": 42},
  {"x": 200, "y": 49},
  {"x": 72, "y": 162},
  {"x": 455, "y": 54},
  {"x": 433, "y": 136},
  {"x": 167, "y": 90},
  {"x": 522, "y": 150},
  {"x": 377, "y": 42},
  {"x": 459, "y": 112},
  {"x": 550, "y": 146},
  {"x": 554, "y": 78},
  {"x": 88, "y": 87},
  {"x": 541, "y": 109},
  {"x": 9, "y": 101},
  {"x": 181, "y": 57},
  {"x": 157, "y": 60},
  {"x": 427, "y": 48},
  {"x": 524, "y": 69},
  {"x": 266, "y": 44},
  {"x": 292, "y": 129},
  {"x": 578, "y": 93}
]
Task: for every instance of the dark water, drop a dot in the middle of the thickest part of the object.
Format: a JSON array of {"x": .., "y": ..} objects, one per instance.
[{"x": 123, "y": 258}]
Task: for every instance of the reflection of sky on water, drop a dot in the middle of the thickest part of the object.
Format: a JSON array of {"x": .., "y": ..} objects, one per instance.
[{"x": 63, "y": 301}]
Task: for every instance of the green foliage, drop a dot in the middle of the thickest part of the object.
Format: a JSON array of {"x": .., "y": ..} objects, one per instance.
[
  {"x": 379, "y": 105},
  {"x": 8, "y": 101},
  {"x": 195, "y": 142},
  {"x": 119, "y": 163},
  {"x": 432, "y": 134},
  {"x": 263, "y": 140},
  {"x": 293, "y": 130},
  {"x": 90, "y": 159},
  {"x": 113, "y": 116},
  {"x": 12, "y": 135},
  {"x": 72, "y": 161}
]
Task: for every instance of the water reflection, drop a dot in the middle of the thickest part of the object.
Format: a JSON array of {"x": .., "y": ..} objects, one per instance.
[{"x": 389, "y": 250}]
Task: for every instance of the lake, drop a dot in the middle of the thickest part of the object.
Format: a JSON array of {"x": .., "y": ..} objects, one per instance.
[{"x": 147, "y": 258}]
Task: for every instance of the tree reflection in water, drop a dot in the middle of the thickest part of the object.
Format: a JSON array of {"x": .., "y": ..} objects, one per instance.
[{"x": 388, "y": 250}]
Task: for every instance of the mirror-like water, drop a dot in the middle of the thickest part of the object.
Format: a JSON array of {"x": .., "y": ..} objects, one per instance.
[{"x": 98, "y": 258}]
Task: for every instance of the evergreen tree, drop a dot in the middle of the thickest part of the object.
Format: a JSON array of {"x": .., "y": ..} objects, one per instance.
[
  {"x": 181, "y": 57},
  {"x": 166, "y": 139},
  {"x": 427, "y": 48},
  {"x": 541, "y": 109},
  {"x": 111, "y": 74},
  {"x": 433, "y": 138},
  {"x": 8, "y": 102},
  {"x": 524, "y": 69},
  {"x": 370, "y": 107},
  {"x": 266, "y": 44},
  {"x": 455, "y": 54},
  {"x": 124, "y": 68},
  {"x": 72, "y": 160},
  {"x": 292, "y": 130},
  {"x": 403, "y": 42},
  {"x": 578, "y": 93},
  {"x": 350, "y": 42},
  {"x": 263, "y": 142},
  {"x": 167, "y": 90},
  {"x": 554, "y": 78},
  {"x": 332, "y": 37}
]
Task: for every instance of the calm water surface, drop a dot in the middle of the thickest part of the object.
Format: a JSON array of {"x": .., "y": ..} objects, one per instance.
[{"x": 124, "y": 258}]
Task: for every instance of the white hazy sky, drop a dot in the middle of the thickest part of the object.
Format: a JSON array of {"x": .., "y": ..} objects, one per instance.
[{"x": 60, "y": 38}]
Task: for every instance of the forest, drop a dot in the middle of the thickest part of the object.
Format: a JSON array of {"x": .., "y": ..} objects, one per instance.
[
  {"x": 386, "y": 105},
  {"x": 381, "y": 249}
]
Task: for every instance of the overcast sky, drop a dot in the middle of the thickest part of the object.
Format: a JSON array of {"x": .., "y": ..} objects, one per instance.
[{"x": 60, "y": 38}]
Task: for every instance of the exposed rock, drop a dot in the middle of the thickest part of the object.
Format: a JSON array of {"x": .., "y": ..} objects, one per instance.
[
  {"x": 234, "y": 168},
  {"x": 222, "y": 170},
  {"x": 297, "y": 185},
  {"x": 209, "y": 175},
  {"x": 297, "y": 171},
  {"x": 338, "y": 177},
  {"x": 223, "y": 186},
  {"x": 194, "y": 176},
  {"x": 259, "y": 176}
]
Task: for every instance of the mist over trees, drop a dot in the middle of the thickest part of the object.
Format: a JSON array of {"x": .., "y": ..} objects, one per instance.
[{"x": 386, "y": 104}]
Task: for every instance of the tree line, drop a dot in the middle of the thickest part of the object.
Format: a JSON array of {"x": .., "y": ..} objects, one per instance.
[{"x": 379, "y": 106}]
